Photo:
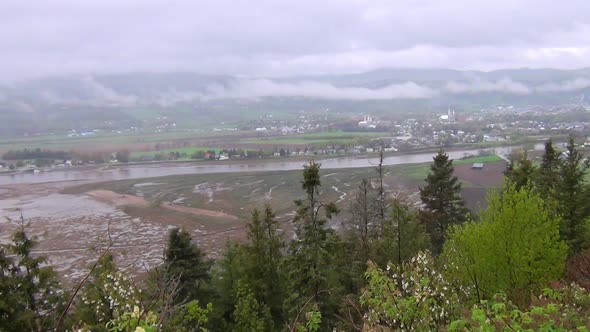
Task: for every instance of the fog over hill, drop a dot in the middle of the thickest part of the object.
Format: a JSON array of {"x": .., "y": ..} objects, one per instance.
[
  {"x": 123, "y": 100},
  {"x": 167, "y": 89}
]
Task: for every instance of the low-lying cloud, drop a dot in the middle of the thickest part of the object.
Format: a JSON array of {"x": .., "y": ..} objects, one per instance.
[
  {"x": 257, "y": 88},
  {"x": 94, "y": 92},
  {"x": 505, "y": 85},
  {"x": 573, "y": 85}
]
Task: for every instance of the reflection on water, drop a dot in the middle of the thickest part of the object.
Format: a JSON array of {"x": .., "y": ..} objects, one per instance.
[{"x": 147, "y": 171}]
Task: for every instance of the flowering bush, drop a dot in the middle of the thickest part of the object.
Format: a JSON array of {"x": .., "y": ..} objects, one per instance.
[
  {"x": 410, "y": 297},
  {"x": 107, "y": 296}
]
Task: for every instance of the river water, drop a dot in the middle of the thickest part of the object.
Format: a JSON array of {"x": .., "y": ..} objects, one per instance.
[{"x": 157, "y": 170}]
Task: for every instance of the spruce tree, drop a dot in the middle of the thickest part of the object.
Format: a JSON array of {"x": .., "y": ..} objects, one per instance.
[
  {"x": 311, "y": 256},
  {"x": 570, "y": 196},
  {"x": 366, "y": 214},
  {"x": 381, "y": 197},
  {"x": 263, "y": 257},
  {"x": 33, "y": 298},
  {"x": 441, "y": 197},
  {"x": 548, "y": 173},
  {"x": 249, "y": 315},
  {"x": 522, "y": 173},
  {"x": 185, "y": 260},
  {"x": 402, "y": 236}
]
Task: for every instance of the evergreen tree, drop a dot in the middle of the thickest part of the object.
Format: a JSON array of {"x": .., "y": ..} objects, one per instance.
[
  {"x": 230, "y": 271},
  {"x": 402, "y": 236},
  {"x": 381, "y": 197},
  {"x": 570, "y": 196},
  {"x": 9, "y": 299},
  {"x": 34, "y": 298},
  {"x": 365, "y": 211},
  {"x": 263, "y": 260},
  {"x": 441, "y": 196},
  {"x": 548, "y": 173},
  {"x": 522, "y": 172},
  {"x": 310, "y": 265},
  {"x": 185, "y": 260},
  {"x": 249, "y": 315}
]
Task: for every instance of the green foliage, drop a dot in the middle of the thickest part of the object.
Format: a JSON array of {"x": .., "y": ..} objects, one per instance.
[
  {"x": 190, "y": 317},
  {"x": 313, "y": 320},
  {"x": 413, "y": 296},
  {"x": 249, "y": 315},
  {"x": 134, "y": 321},
  {"x": 514, "y": 248},
  {"x": 441, "y": 196},
  {"x": 565, "y": 309}
]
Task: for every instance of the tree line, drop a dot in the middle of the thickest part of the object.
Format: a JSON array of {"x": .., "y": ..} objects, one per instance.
[{"x": 521, "y": 264}]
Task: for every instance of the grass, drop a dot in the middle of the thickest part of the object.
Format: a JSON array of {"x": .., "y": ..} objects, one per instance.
[
  {"x": 298, "y": 141},
  {"x": 418, "y": 172},
  {"x": 415, "y": 172},
  {"x": 184, "y": 150},
  {"x": 481, "y": 159},
  {"x": 330, "y": 137}
]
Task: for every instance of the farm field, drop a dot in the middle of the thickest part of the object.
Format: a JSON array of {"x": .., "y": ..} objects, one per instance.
[
  {"x": 141, "y": 144},
  {"x": 334, "y": 137},
  {"x": 107, "y": 140},
  {"x": 184, "y": 150}
]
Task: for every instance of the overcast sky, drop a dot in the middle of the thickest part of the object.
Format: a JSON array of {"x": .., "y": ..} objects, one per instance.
[{"x": 278, "y": 38}]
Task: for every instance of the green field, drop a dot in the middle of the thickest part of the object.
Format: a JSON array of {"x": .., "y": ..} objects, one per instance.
[
  {"x": 321, "y": 138},
  {"x": 110, "y": 140},
  {"x": 418, "y": 172},
  {"x": 184, "y": 150},
  {"x": 481, "y": 159},
  {"x": 106, "y": 139}
]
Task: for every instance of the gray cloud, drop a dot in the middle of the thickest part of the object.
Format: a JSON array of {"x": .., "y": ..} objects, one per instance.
[
  {"x": 93, "y": 92},
  {"x": 254, "y": 88},
  {"x": 573, "y": 85},
  {"x": 276, "y": 38},
  {"x": 99, "y": 92},
  {"x": 505, "y": 85}
]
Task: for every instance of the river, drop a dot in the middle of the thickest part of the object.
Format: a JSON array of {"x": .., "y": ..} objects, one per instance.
[{"x": 157, "y": 170}]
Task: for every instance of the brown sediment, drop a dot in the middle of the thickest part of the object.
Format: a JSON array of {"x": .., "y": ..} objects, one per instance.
[
  {"x": 198, "y": 211},
  {"x": 124, "y": 199},
  {"x": 116, "y": 199}
]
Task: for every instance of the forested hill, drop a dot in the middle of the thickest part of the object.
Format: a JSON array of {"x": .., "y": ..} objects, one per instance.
[{"x": 523, "y": 264}]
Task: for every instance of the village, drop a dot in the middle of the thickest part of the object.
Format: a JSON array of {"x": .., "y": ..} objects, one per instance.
[{"x": 310, "y": 134}]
